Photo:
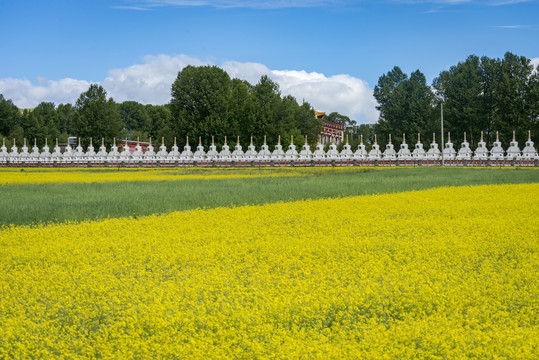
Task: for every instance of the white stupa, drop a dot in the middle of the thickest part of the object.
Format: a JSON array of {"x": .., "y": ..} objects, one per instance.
[
  {"x": 238, "y": 153},
  {"x": 79, "y": 152},
  {"x": 225, "y": 152},
  {"x": 497, "y": 152},
  {"x": 319, "y": 154},
  {"x": 24, "y": 155},
  {"x": 513, "y": 151},
  {"x": 251, "y": 153},
  {"x": 199, "y": 154},
  {"x": 187, "y": 154},
  {"x": 419, "y": 152},
  {"x": 212, "y": 153},
  {"x": 34, "y": 155},
  {"x": 465, "y": 153},
  {"x": 125, "y": 155},
  {"x": 449, "y": 151},
  {"x": 404, "y": 153},
  {"x": 137, "y": 155},
  {"x": 346, "y": 152},
  {"x": 174, "y": 153},
  {"x": 305, "y": 154},
  {"x": 162, "y": 153},
  {"x": 481, "y": 153},
  {"x": 434, "y": 152},
  {"x": 291, "y": 153},
  {"x": 529, "y": 152},
  {"x": 361, "y": 153},
  {"x": 57, "y": 152},
  {"x": 3, "y": 151},
  {"x": 264, "y": 153},
  {"x": 90, "y": 152},
  {"x": 389, "y": 152},
  {"x": 14, "y": 154},
  {"x": 332, "y": 152},
  {"x": 375, "y": 153},
  {"x": 45, "y": 153},
  {"x": 278, "y": 153},
  {"x": 102, "y": 153},
  {"x": 69, "y": 154},
  {"x": 149, "y": 154},
  {"x": 114, "y": 154}
]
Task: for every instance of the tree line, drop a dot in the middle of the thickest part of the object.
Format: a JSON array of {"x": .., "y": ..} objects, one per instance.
[
  {"x": 205, "y": 102},
  {"x": 478, "y": 94}
]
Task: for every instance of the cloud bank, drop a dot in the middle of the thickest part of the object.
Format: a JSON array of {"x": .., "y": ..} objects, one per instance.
[{"x": 150, "y": 83}]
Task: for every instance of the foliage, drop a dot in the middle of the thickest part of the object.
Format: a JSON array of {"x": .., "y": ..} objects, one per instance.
[
  {"x": 405, "y": 105},
  {"x": 97, "y": 116},
  {"x": 490, "y": 95}
]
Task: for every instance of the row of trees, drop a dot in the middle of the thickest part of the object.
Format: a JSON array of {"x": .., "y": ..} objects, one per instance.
[
  {"x": 478, "y": 94},
  {"x": 205, "y": 102}
]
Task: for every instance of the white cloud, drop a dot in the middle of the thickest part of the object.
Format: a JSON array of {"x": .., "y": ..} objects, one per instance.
[
  {"x": 25, "y": 94},
  {"x": 341, "y": 93},
  {"x": 535, "y": 62},
  {"x": 150, "y": 83}
]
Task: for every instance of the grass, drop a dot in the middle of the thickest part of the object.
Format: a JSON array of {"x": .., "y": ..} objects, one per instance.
[{"x": 32, "y": 204}]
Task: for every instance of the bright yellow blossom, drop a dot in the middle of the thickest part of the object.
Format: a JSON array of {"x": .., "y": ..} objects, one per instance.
[
  {"x": 20, "y": 176},
  {"x": 446, "y": 273}
]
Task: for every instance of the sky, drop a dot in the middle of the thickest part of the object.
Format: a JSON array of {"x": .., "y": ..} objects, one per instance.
[{"x": 328, "y": 52}]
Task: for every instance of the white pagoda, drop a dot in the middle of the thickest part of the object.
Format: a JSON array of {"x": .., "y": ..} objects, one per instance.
[
  {"x": 497, "y": 152},
  {"x": 481, "y": 153},
  {"x": 404, "y": 152},
  {"x": 465, "y": 153},
  {"x": 361, "y": 153},
  {"x": 529, "y": 152},
  {"x": 419, "y": 152},
  {"x": 434, "y": 152},
  {"x": 513, "y": 151},
  {"x": 389, "y": 152}
]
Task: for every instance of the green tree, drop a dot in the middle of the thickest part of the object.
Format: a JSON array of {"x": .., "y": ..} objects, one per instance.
[
  {"x": 199, "y": 105},
  {"x": 135, "y": 116},
  {"x": 512, "y": 88},
  {"x": 96, "y": 116},
  {"x": 48, "y": 118},
  {"x": 65, "y": 114},
  {"x": 405, "y": 105},
  {"x": 160, "y": 118},
  {"x": 9, "y": 116}
]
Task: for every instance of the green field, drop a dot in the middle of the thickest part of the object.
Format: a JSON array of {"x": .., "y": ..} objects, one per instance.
[{"x": 31, "y": 204}]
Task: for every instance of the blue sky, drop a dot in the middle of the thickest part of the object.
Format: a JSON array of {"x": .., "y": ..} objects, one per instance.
[{"x": 329, "y": 52}]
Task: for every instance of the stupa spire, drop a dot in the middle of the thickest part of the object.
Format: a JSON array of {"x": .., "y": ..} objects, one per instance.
[{"x": 390, "y": 138}]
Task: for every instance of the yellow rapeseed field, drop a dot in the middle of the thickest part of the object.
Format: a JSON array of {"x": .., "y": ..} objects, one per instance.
[
  {"x": 21, "y": 176},
  {"x": 447, "y": 273}
]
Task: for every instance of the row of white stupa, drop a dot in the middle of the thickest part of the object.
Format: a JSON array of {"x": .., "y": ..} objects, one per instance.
[{"x": 264, "y": 154}]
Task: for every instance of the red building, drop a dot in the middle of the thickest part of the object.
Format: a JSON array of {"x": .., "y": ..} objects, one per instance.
[{"x": 331, "y": 131}]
